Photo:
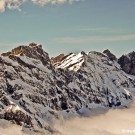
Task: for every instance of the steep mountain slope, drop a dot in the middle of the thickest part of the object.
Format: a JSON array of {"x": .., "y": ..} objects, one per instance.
[
  {"x": 127, "y": 63},
  {"x": 71, "y": 62},
  {"x": 110, "y": 55},
  {"x": 104, "y": 75},
  {"x": 33, "y": 92}
]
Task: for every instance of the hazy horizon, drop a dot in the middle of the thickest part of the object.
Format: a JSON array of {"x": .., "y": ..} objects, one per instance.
[
  {"x": 103, "y": 124},
  {"x": 73, "y": 51}
]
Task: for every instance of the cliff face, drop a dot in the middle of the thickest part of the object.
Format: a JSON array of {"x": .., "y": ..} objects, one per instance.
[
  {"x": 32, "y": 88},
  {"x": 111, "y": 56},
  {"x": 127, "y": 63}
]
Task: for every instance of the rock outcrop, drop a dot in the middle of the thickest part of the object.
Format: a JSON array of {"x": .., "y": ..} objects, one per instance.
[
  {"x": 110, "y": 55},
  {"x": 57, "y": 59},
  {"x": 15, "y": 114},
  {"x": 127, "y": 63}
]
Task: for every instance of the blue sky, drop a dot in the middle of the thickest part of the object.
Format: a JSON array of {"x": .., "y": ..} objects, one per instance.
[{"x": 83, "y": 25}]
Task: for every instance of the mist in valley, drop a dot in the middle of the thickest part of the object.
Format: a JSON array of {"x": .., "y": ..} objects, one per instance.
[{"x": 113, "y": 122}]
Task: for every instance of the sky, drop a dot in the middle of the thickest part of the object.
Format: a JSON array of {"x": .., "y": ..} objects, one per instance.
[{"x": 64, "y": 26}]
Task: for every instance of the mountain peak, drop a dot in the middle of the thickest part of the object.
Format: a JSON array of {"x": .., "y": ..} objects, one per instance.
[
  {"x": 32, "y": 54},
  {"x": 110, "y": 55},
  {"x": 24, "y": 50},
  {"x": 127, "y": 63},
  {"x": 71, "y": 61},
  {"x": 57, "y": 58}
]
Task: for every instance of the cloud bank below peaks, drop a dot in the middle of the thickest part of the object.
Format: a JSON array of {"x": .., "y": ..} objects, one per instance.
[{"x": 15, "y": 4}]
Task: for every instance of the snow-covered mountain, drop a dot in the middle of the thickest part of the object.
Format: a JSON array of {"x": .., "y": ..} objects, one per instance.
[
  {"x": 34, "y": 92},
  {"x": 71, "y": 62}
]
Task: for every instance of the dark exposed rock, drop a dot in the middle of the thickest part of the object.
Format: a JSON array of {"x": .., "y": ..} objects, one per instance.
[
  {"x": 32, "y": 51},
  {"x": 16, "y": 96},
  {"x": 66, "y": 56},
  {"x": 8, "y": 75},
  {"x": 33, "y": 44},
  {"x": 1, "y": 116},
  {"x": 83, "y": 53},
  {"x": 64, "y": 106},
  {"x": 10, "y": 89},
  {"x": 57, "y": 59},
  {"x": 18, "y": 117},
  {"x": 5, "y": 101},
  {"x": 6, "y": 54},
  {"x": 1, "y": 93},
  {"x": 1, "y": 106},
  {"x": 110, "y": 55},
  {"x": 127, "y": 63}
]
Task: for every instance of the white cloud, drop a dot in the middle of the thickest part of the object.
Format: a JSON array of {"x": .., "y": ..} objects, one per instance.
[
  {"x": 102, "y": 29},
  {"x": 2, "y": 5},
  {"x": 94, "y": 39},
  {"x": 10, "y": 4},
  {"x": 92, "y": 29},
  {"x": 44, "y": 2},
  {"x": 15, "y": 4}
]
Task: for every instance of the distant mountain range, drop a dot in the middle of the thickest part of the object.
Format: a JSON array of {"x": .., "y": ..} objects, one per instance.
[{"x": 35, "y": 90}]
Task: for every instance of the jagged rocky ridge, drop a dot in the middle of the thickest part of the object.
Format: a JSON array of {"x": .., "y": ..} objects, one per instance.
[
  {"x": 57, "y": 59},
  {"x": 127, "y": 63},
  {"x": 33, "y": 92}
]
